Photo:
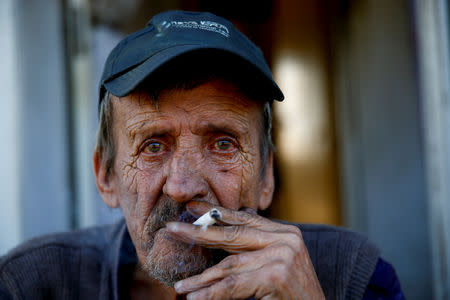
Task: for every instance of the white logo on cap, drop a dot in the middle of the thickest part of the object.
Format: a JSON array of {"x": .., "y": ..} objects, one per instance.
[{"x": 203, "y": 25}]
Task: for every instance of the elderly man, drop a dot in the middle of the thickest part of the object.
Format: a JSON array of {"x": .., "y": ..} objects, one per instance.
[{"x": 185, "y": 120}]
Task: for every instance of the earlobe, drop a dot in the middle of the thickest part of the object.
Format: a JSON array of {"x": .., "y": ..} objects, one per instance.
[
  {"x": 103, "y": 181},
  {"x": 268, "y": 184}
]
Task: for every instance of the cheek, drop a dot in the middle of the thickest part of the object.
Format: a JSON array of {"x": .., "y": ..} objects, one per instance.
[
  {"x": 235, "y": 182},
  {"x": 227, "y": 186},
  {"x": 250, "y": 181},
  {"x": 139, "y": 178},
  {"x": 139, "y": 194}
]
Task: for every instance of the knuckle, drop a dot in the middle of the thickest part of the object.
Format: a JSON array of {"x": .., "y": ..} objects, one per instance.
[
  {"x": 229, "y": 262},
  {"x": 209, "y": 293},
  {"x": 295, "y": 230},
  {"x": 295, "y": 239},
  {"x": 256, "y": 219},
  {"x": 280, "y": 273},
  {"x": 241, "y": 217},
  {"x": 230, "y": 283},
  {"x": 282, "y": 268},
  {"x": 231, "y": 233},
  {"x": 288, "y": 253}
]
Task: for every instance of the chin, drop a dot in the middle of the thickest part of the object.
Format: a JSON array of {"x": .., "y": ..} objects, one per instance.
[{"x": 169, "y": 260}]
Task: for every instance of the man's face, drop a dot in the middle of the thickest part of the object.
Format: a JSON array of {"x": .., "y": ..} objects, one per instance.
[{"x": 202, "y": 144}]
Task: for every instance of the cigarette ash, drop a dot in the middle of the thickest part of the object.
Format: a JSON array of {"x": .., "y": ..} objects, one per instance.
[{"x": 215, "y": 214}]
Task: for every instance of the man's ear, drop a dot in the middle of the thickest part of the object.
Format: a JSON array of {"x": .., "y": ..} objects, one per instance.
[
  {"x": 268, "y": 184},
  {"x": 103, "y": 181}
]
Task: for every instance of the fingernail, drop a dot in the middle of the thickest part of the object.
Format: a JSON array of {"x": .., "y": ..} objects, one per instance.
[
  {"x": 190, "y": 296},
  {"x": 172, "y": 226},
  {"x": 178, "y": 286}
]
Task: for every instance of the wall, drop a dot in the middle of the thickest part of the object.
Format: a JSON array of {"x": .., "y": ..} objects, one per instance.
[
  {"x": 35, "y": 183},
  {"x": 380, "y": 136}
]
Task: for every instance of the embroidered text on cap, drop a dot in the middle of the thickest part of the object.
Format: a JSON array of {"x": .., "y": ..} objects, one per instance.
[{"x": 202, "y": 25}]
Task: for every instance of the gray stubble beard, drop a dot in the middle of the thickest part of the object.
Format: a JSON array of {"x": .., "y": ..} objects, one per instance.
[{"x": 169, "y": 260}]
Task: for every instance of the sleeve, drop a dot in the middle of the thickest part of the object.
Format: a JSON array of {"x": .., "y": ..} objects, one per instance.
[
  {"x": 4, "y": 294},
  {"x": 384, "y": 284}
]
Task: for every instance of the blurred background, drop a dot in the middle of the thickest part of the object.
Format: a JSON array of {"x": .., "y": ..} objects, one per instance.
[{"x": 363, "y": 136}]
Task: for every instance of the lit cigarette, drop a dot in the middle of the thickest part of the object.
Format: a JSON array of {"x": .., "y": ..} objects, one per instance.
[{"x": 210, "y": 218}]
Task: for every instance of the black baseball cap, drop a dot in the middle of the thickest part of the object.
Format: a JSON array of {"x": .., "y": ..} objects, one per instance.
[{"x": 171, "y": 34}]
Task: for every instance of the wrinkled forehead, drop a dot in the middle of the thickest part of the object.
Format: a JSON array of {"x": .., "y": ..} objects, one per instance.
[
  {"x": 215, "y": 107},
  {"x": 213, "y": 95}
]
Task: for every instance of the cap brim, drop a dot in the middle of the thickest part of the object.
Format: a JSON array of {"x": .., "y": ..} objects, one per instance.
[{"x": 128, "y": 81}]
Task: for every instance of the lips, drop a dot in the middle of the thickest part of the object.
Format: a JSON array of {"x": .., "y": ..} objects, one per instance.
[
  {"x": 168, "y": 210},
  {"x": 186, "y": 217}
]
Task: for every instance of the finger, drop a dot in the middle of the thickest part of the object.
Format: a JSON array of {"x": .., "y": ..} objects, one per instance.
[
  {"x": 239, "y": 286},
  {"x": 249, "y": 210},
  {"x": 234, "y": 239},
  {"x": 234, "y": 264},
  {"x": 233, "y": 217},
  {"x": 244, "y": 262}
]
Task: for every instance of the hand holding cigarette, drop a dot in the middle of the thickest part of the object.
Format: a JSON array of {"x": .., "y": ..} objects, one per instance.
[{"x": 269, "y": 259}]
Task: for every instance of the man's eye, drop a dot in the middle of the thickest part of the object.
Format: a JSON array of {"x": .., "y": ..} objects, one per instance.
[
  {"x": 223, "y": 145},
  {"x": 153, "y": 147}
]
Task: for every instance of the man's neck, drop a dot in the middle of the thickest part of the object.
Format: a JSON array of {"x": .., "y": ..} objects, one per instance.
[{"x": 145, "y": 287}]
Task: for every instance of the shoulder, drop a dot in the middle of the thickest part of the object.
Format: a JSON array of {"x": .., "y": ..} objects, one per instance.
[
  {"x": 94, "y": 238},
  {"x": 344, "y": 260},
  {"x": 346, "y": 241},
  {"x": 55, "y": 260},
  {"x": 316, "y": 231},
  {"x": 384, "y": 283}
]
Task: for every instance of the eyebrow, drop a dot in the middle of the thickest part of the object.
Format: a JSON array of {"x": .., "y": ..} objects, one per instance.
[
  {"x": 225, "y": 128},
  {"x": 146, "y": 127},
  {"x": 204, "y": 127}
]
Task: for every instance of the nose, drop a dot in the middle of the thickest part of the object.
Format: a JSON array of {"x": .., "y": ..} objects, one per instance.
[{"x": 184, "y": 180}]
